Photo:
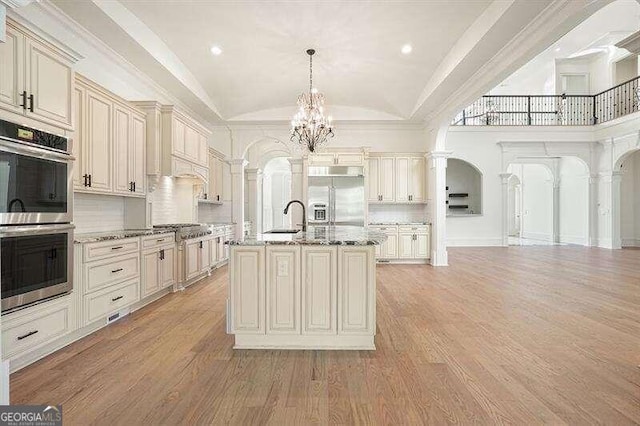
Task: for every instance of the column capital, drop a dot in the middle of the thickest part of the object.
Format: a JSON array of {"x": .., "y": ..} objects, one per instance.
[
  {"x": 438, "y": 154},
  {"x": 505, "y": 177},
  {"x": 238, "y": 165},
  {"x": 253, "y": 173},
  {"x": 296, "y": 165}
]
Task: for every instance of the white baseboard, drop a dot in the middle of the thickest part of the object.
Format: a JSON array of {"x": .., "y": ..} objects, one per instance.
[
  {"x": 605, "y": 243},
  {"x": 631, "y": 242},
  {"x": 301, "y": 341},
  {"x": 540, "y": 236},
  {"x": 574, "y": 239},
  {"x": 474, "y": 242},
  {"x": 403, "y": 261},
  {"x": 4, "y": 383}
]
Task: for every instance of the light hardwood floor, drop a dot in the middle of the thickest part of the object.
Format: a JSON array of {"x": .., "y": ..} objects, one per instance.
[{"x": 523, "y": 335}]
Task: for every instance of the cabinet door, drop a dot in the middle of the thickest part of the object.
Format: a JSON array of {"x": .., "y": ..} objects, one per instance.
[
  {"x": 203, "y": 153},
  {"x": 12, "y": 71},
  {"x": 319, "y": 288},
  {"x": 138, "y": 158},
  {"x": 49, "y": 80},
  {"x": 178, "y": 137},
  {"x": 226, "y": 182},
  {"x": 219, "y": 184},
  {"x": 247, "y": 278},
  {"x": 326, "y": 159},
  {"x": 168, "y": 267},
  {"x": 150, "y": 273},
  {"x": 79, "y": 141},
  {"x": 390, "y": 247},
  {"x": 121, "y": 141},
  {"x": 405, "y": 246},
  {"x": 191, "y": 143},
  {"x": 422, "y": 246},
  {"x": 98, "y": 141},
  {"x": 205, "y": 256},
  {"x": 402, "y": 179},
  {"x": 356, "y": 290},
  {"x": 220, "y": 255},
  {"x": 387, "y": 186},
  {"x": 192, "y": 259},
  {"x": 374, "y": 179},
  {"x": 349, "y": 159},
  {"x": 417, "y": 179},
  {"x": 283, "y": 289}
]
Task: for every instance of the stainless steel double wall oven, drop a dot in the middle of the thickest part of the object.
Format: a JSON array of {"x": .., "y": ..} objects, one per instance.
[{"x": 36, "y": 211}]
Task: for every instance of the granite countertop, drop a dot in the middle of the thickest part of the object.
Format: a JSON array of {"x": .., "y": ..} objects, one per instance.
[
  {"x": 317, "y": 235},
  {"x": 399, "y": 223},
  {"x": 93, "y": 237}
]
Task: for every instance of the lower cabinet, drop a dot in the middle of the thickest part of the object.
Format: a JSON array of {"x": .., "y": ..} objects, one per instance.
[
  {"x": 158, "y": 269},
  {"x": 404, "y": 242},
  {"x": 305, "y": 296},
  {"x": 197, "y": 254},
  {"x": 101, "y": 303}
]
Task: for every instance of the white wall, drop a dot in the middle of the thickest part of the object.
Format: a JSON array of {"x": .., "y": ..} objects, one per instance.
[
  {"x": 630, "y": 201},
  {"x": 574, "y": 201}
]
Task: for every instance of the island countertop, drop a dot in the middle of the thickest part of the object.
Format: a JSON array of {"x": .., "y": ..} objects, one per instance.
[{"x": 317, "y": 235}]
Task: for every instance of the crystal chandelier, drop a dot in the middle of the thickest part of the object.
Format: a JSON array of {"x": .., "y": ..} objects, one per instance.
[{"x": 309, "y": 127}]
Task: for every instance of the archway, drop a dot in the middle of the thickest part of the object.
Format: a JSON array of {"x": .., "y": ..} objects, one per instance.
[
  {"x": 276, "y": 192},
  {"x": 464, "y": 188}
]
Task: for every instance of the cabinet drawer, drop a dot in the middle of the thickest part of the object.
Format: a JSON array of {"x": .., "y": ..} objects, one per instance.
[
  {"x": 386, "y": 229},
  {"x": 416, "y": 229},
  {"x": 109, "y": 272},
  {"x": 103, "y": 303},
  {"x": 106, "y": 249},
  {"x": 158, "y": 240},
  {"x": 32, "y": 330}
]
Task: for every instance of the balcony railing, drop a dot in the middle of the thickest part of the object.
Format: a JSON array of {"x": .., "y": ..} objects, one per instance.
[{"x": 552, "y": 110}]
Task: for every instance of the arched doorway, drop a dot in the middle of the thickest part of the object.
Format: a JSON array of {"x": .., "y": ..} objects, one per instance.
[
  {"x": 276, "y": 193},
  {"x": 515, "y": 206}
]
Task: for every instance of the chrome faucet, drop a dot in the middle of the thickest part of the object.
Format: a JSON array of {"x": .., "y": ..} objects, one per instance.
[{"x": 304, "y": 213}]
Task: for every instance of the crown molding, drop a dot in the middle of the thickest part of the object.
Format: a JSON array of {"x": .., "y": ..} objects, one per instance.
[
  {"x": 631, "y": 43},
  {"x": 12, "y": 4}
]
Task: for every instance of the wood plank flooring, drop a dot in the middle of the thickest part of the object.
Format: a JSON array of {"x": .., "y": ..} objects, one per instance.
[{"x": 521, "y": 335}]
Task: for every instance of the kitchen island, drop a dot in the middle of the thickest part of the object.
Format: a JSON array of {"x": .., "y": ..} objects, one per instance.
[{"x": 310, "y": 290}]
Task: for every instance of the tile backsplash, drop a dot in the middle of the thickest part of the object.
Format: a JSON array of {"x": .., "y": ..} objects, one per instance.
[
  {"x": 211, "y": 213},
  {"x": 398, "y": 213},
  {"x": 97, "y": 213}
]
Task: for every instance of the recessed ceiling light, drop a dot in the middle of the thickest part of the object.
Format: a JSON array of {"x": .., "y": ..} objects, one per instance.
[
  {"x": 557, "y": 49},
  {"x": 406, "y": 49},
  {"x": 216, "y": 50}
]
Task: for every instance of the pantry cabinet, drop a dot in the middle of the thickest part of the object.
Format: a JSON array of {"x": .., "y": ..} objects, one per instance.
[
  {"x": 109, "y": 142},
  {"x": 37, "y": 78}
]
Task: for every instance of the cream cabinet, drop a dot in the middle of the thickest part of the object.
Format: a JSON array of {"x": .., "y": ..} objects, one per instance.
[
  {"x": 184, "y": 143},
  {"x": 404, "y": 242},
  {"x": 218, "y": 189},
  {"x": 197, "y": 257},
  {"x": 356, "y": 290},
  {"x": 319, "y": 289},
  {"x": 158, "y": 265},
  {"x": 283, "y": 289},
  {"x": 336, "y": 159},
  {"x": 389, "y": 248},
  {"x": 382, "y": 179},
  {"x": 410, "y": 179},
  {"x": 247, "y": 291},
  {"x": 36, "y": 78},
  {"x": 109, "y": 142}
]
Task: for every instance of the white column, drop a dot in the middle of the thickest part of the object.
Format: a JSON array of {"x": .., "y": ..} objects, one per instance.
[
  {"x": 437, "y": 165},
  {"x": 254, "y": 178},
  {"x": 592, "y": 237},
  {"x": 504, "y": 177},
  {"x": 297, "y": 186},
  {"x": 616, "y": 238},
  {"x": 556, "y": 211},
  {"x": 237, "y": 191}
]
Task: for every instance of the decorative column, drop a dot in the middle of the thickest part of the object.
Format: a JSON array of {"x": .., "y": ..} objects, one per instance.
[
  {"x": 437, "y": 165},
  {"x": 504, "y": 178},
  {"x": 237, "y": 189},
  {"x": 592, "y": 237},
  {"x": 616, "y": 237},
  {"x": 254, "y": 178},
  {"x": 297, "y": 185},
  {"x": 556, "y": 210}
]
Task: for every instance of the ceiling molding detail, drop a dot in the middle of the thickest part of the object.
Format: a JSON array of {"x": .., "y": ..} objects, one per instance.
[
  {"x": 12, "y": 4},
  {"x": 631, "y": 43}
]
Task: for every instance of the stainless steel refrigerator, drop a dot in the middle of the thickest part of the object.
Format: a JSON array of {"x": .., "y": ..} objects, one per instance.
[{"x": 336, "y": 196}]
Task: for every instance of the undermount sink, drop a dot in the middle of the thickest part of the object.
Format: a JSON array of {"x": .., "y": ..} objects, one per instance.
[{"x": 283, "y": 231}]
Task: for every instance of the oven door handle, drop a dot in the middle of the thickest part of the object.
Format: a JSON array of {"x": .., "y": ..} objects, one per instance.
[
  {"x": 26, "y": 148},
  {"x": 16, "y": 231}
]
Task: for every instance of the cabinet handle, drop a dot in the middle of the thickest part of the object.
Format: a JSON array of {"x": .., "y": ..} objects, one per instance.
[
  {"x": 159, "y": 240},
  {"x": 217, "y": 198},
  {"x": 31, "y": 102},
  {"x": 89, "y": 180},
  {"x": 161, "y": 254},
  {"x": 117, "y": 248},
  {"x": 86, "y": 180},
  {"x": 134, "y": 186},
  {"x": 201, "y": 245},
  {"x": 29, "y": 334},
  {"x": 206, "y": 196},
  {"x": 115, "y": 299},
  {"x": 24, "y": 100},
  {"x": 117, "y": 270}
]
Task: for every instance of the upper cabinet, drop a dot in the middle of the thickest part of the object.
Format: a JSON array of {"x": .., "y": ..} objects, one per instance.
[
  {"x": 400, "y": 179},
  {"x": 336, "y": 159},
  {"x": 218, "y": 189},
  {"x": 109, "y": 142},
  {"x": 177, "y": 145},
  {"x": 36, "y": 78}
]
